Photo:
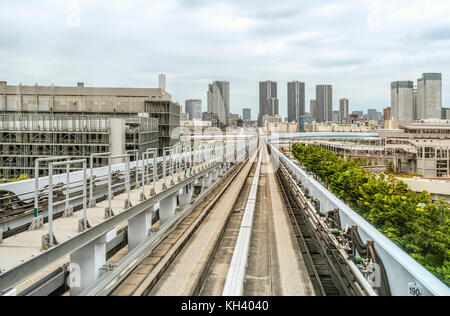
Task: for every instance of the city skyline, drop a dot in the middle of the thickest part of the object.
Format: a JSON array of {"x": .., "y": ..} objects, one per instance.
[{"x": 359, "y": 65}]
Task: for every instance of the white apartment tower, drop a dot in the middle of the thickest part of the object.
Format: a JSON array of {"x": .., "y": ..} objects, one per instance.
[
  {"x": 429, "y": 96},
  {"x": 162, "y": 82}
]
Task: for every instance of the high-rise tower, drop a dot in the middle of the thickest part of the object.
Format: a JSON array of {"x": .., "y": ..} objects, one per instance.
[
  {"x": 296, "y": 100},
  {"x": 324, "y": 98},
  {"x": 219, "y": 100},
  {"x": 429, "y": 96}
]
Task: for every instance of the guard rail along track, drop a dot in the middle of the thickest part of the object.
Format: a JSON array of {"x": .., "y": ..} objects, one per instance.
[
  {"x": 331, "y": 271},
  {"x": 195, "y": 214},
  {"x": 386, "y": 267}
]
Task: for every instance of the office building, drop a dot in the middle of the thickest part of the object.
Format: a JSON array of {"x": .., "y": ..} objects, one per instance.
[
  {"x": 324, "y": 98},
  {"x": 296, "y": 100},
  {"x": 335, "y": 116},
  {"x": 372, "y": 115},
  {"x": 313, "y": 109},
  {"x": 358, "y": 114},
  {"x": 247, "y": 114},
  {"x": 343, "y": 109},
  {"x": 402, "y": 101},
  {"x": 219, "y": 101},
  {"x": 429, "y": 96},
  {"x": 446, "y": 113},
  {"x": 303, "y": 120},
  {"x": 387, "y": 114},
  {"x": 267, "y": 91},
  {"x": 273, "y": 106},
  {"x": 211, "y": 117},
  {"x": 194, "y": 109}
]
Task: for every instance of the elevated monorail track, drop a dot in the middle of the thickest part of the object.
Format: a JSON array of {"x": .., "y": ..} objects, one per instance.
[{"x": 328, "y": 266}]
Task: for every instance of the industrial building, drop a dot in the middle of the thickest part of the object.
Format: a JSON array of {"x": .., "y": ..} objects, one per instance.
[
  {"x": 24, "y": 138},
  {"x": 42, "y": 121}
]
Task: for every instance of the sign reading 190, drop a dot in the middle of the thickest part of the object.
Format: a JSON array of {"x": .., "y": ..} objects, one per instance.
[{"x": 414, "y": 289}]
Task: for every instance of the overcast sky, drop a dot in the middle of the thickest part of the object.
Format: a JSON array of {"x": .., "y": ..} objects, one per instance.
[{"x": 357, "y": 46}]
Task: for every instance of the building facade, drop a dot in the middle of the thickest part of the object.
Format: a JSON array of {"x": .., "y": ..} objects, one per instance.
[
  {"x": 219, "y": 100},
  {"x": 372, "y": 115},
  {"x": 79, "y": 100},
  {"x": 313, "y": 108},
  {"x": 168, "y": 114},
  {"x": 162, "y": 82},
  {"x": 267, "y": 91},
  {"x": 446, "y": 113},
  {"x": 194, "y": 109},
  {"x": 296, "y": 100},
  {"x": 335, "y": 116},
  {"x": 26, "y": 137},
  {"x": 247, "y": 114},
  {"x": 402, "y": 101},
  {"x": 343, "y": 109},
  {"x": 324, "y": 98},
  {"x": 429, "y": 96},
  {"x": 211, "y": 117},
  {"x": 273, "y": 106}
]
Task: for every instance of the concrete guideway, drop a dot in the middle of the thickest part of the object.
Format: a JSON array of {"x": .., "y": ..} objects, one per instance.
[
  {"x": 275, "y": 265},
  {"x": 289, "y": 275},
  {"x": 184, "y": 274},
  {"x": 141, "y": 280}
]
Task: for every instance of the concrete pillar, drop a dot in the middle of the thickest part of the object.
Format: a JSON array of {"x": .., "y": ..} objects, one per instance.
[
  {"x": 138, "y": 228},
  {"x": 117, "y": 139},
  {"x": 207, "y": 181},
  {"x": 185, "y": 197},
  {"x": 167, "y": 208},
  {"x": 215, "y": 175},
  {"x": 87, "y": 263}
]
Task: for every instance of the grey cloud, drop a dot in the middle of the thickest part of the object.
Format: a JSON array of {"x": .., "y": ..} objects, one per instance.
[
  {"x": 285, "y": 40},
  {"x": 439, "y": 33}
]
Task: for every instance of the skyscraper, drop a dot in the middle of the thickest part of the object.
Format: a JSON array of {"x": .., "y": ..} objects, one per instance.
[
  {"x": 273, "y": 106},
  {"x": 267, "y": 91},
  {"x": 162, "y": 82},
  {"x": 402, "y": 101},
  {"x": 194, "y": 109},
  {"x": 429, "y": 96},
  {"x": 219, "y": 100},
  {"x": 296, "y": 100},
  {"x": 247, "y": 114},
  {"x": 313, "y": 109},
  {"x": 324, "y": 98},
  {"x": 343, "y": 109}
]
